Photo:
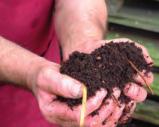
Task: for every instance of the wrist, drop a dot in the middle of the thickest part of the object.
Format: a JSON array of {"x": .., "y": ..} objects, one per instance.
[
  {"x": 81, "y": 46},
  {"x": 74, "y": 39}
]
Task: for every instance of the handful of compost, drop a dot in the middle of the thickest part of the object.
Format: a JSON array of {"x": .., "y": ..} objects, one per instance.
[{"x": 111, "y": 66}]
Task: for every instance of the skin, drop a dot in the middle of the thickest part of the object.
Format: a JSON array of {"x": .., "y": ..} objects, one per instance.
[{"x": 80, "y": 30}]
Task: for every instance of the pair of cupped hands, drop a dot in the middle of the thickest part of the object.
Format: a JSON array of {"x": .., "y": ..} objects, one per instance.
[{"x": 48, "y": 82}]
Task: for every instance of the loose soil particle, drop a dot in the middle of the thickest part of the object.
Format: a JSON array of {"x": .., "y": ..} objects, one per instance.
[{"x": 106, "y": 67}]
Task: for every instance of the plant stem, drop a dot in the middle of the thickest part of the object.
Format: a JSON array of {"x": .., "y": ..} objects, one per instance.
[
  {"x": 83, "y": 110},
  {"x": 135, "y": 68}
]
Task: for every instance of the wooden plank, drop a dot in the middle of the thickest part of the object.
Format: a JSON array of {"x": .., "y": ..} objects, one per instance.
[
  {"x": 148, "y": 112},
  {"x": 155, "y": 85},
  {"x": 136, "y": 18},
  {"x": 115, "y": 5},
  {"x": 133, "y": 23}
]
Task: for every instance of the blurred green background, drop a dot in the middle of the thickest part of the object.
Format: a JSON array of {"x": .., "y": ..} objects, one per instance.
[{"x": 139, "y": 21}]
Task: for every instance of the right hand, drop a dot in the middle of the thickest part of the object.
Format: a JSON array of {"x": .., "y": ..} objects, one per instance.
[{"x": 47, "y": 82}]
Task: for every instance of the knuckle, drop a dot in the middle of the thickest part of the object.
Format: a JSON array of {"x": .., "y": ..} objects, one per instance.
[
  {"x": 40, "y": 76},
  {"x": 126, "y": 39},
  {"x": 43, "y": 75}
]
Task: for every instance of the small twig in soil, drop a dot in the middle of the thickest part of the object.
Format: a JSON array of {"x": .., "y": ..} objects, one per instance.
[
  {"x": 134, "y": 67},
  {"x": 83, "y": 110}
]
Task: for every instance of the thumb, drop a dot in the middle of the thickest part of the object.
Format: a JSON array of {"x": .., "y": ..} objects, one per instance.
[{"x": 60, "y": 84}]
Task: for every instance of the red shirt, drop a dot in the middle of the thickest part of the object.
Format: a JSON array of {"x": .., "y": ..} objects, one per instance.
[{"x": 29, "y": 23}]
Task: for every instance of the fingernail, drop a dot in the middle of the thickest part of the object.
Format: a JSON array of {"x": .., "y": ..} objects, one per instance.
[
  {"x": 76, "y": 90},
  {"x": 73, "y": 87}
]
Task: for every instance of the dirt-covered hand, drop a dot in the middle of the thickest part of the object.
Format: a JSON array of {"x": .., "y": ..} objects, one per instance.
[
  {"x": 111, "y": 113},
  {"x": 136, "y": 91},
  {"x": 47, "y": 83}
]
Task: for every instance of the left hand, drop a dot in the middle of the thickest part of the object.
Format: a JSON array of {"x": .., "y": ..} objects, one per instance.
[{"x": 110, "y": 112}]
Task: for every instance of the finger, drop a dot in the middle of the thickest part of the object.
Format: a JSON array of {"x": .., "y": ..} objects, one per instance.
[
  {"x": 112, "y": 120},
  {"x": 128, "y": 111},
  {"x": 54, "y": 110},
  {"x": 59, "y": 84},
  {"x": 118, "y": 40},
  {"x": 145, "y": 53},
  {"x": 44, "y": 98},
  {"x": 105, "y": 110},
  {"x": 57, "y": 111},
  {"x": 148, "y": 77},
  {"x": 92, "y": 104},
  {"x": 62, "y": 111},
  {"x": 135, "y": 92}
]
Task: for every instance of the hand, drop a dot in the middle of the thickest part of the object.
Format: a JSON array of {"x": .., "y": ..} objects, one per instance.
[
  {"x": 47, "y": 82},
  {"x": 110, "y": 113},
  {"x": 135, "y": 91}
]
